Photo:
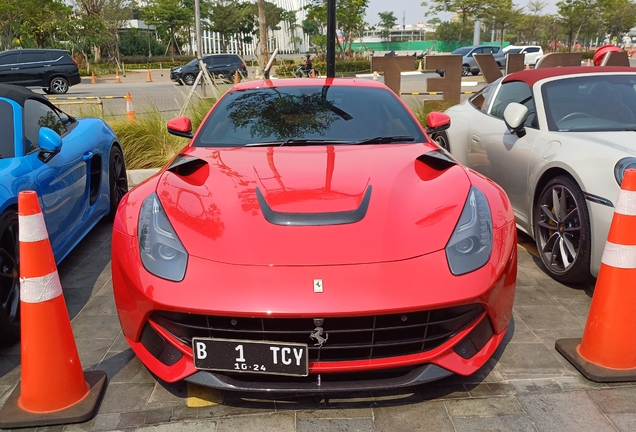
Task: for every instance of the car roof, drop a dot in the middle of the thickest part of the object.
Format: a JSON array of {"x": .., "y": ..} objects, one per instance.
[
  {"x": 532, "y": 76},
  {"x": 21, "y": 94},
  {"x": 304, "y": 82}
]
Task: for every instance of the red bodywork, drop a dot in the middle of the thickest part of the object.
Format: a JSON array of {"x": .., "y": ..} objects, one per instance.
[{"x": 391, "y": 261}]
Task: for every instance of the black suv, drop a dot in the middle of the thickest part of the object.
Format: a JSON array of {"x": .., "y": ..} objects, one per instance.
[
  {"x": 52, "y": 69},
  {"x": 222, "y": 66}
]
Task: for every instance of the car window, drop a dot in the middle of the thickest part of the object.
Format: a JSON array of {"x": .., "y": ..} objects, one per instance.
[
  {"x": 515, "y": 91},
  {"x": 36, "y": 116},
  {"x": 209, "y": 61},
  {"x": 595, "y": 103},
  {"x": 56, "y": 55},
  {"x": 32, "y": 57},
  {"x": 532, "y": 49},
  {"x": 462, "y": 51},
  {"x": 333, "y": 113},
  {"x": 10, "y": 58},
  {"x": 482, "y": 100},
  {"x": 7, "y": 149}
]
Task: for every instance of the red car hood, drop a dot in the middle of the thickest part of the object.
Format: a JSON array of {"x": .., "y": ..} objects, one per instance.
[{"x": 326, "y": 205}]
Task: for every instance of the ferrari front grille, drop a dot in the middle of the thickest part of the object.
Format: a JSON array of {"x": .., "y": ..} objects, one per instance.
[{"x": 347, "y": 338}]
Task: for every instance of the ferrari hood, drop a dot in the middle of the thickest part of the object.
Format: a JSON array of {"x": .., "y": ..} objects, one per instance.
[{"x": 318, "y": 205}]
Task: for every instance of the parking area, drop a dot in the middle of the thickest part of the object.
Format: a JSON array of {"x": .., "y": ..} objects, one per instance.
[{"x": 526, "y": 386}]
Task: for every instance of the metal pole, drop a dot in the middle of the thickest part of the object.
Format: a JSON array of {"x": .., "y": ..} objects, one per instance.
[
  {"x": 331, "y": 38},
  {"x": 197, "y": 31},
  {"x": 477, "y": 33}
]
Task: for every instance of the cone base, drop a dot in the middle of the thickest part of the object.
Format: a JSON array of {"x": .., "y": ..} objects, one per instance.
[
  {"x": 591, "y": 371},
  {"x": 11, "y": 416}
]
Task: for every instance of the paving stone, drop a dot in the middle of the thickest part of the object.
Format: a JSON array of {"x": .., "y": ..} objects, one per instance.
[
  {"x": 623, "y": 422},
  {"x": 95, "y": 327},
  {"x": 426, "y": 416},
  {"x": 184, "y": 413},
  {"x": 519, "y": 332},
  {"x": 161, "y": 415},
  {"x": 523, "y": 279},
  {"x": 499, "y": 424},
  {"x": 105, "y": 422},
  {"x": 79, "y": 427},
  {"x": 100, "y": 305},
  {"x": 615, "y": 400},
  {"x": 188, "y": 426},
  {"x": 167, "y": 395},
  {"x": 56, "y": 428},
  {"x": 513, "y": 387},
  {"x": 276, "y": 422},
  {"x": 222, "y": 410},
  {"x": 335, "y": 414},
  {"x": 548, "y": 317},
  {"x": 529, "y": 359},
  {"x": 571, "y": 411},
  {"x": 395, "y": 397},
  {"x": 91, "y": 277},
  {"x": 126, "y": 397},
  {"x": 9, "y": 370},
  {"x": 120, "y": 343},
  {"x": 131, "y": 419},
  {"x": 485, "y": 407},
  {"x": 579, "y": 306},
  {"x": 125, "y": 367},
  {"x": 92, "y": 351},
  {"x": 533, "y": 295},
  {"x": 479, "y": 390},
  {"x": 335, "y": 425},
  {"x": 449, "y": 391}
]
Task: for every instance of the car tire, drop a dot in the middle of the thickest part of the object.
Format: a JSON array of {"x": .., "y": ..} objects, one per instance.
[
  {"x": 465, "y": 70},
  {"x": 562, "y": 231},
  {"x": 441, "y": 139},
  {"x": 188, "y": 79},
  {"x": 58, "y": 85},
  {"x": 117, "y": 179},
  {"x": 9, "y": 278}
]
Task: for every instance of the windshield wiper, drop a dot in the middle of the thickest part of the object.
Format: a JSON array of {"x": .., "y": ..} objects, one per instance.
[
  {"x": 297, "y": 142},
  {"x": 386, "y": 139}
]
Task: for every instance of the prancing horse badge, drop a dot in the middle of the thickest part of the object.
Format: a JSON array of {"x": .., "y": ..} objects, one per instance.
[{"x": 317, "y": 285}]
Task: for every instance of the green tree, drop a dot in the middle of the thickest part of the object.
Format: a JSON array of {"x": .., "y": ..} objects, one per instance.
[
  {"x": 502, "y": 14},
  {"x": 169, "y": 18},
  {"x": 451, "y": 31},
  {"x": 11, "y": 14},
  {"x": 290, "y": 18},
  {"x": 574, "y": 15},
  {"x": 349, "y": 20},
  {"x": 387, "y": 22},
  {"x": 467, "y": 9},
  {"x": 618, "y": 16},
  {"x": 42, "y": 19}
]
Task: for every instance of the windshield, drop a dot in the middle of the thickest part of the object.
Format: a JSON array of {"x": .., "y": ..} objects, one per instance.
[
  {"x": 462, "y": 51},
  {"x": 513, "y": 51},
  {"x": 591, "y": 103},
  {"x": 303, "y": 115}
]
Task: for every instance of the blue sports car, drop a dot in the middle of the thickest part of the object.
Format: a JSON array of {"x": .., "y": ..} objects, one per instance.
[{"x": 77, "y": 168}]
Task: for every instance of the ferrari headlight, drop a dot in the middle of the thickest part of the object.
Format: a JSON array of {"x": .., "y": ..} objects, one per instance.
[
  {"x": 162, "y": 254},
  {"x": 471, "y": 243},
  {"x": 621, "y": 166}
]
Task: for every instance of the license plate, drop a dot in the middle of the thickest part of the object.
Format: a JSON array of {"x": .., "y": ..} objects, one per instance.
[{"x": 274, "y": 358}]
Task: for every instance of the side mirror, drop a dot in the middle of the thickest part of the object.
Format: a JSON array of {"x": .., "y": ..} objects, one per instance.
[
  {"x": 50, "y": 144},
  {"x": 515, "y": 115},
  {"x": 437, "y": 122},
  {"x": 181, "y": 127}
]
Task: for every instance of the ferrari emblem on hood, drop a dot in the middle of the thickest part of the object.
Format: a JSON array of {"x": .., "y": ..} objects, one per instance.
[{"x": 317, "y": 285}]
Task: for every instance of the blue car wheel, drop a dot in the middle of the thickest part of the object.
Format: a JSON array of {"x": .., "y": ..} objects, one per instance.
[{"x": 9, "y": 278}]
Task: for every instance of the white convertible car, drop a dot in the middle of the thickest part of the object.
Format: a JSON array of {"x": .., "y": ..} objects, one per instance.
[{"x": 558, "y": 141}]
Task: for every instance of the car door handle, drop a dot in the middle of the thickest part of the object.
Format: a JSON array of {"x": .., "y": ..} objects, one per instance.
[
  {"x": 475, "y": 138},
  {"x": 87, "y": 155},
  {"x": 15, "y": 68}
]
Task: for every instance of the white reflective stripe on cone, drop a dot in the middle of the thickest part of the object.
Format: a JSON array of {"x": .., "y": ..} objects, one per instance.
[
  {"x": 32, "y": 228},
  {"x": 619, "y": 256},
  {"x": 626, "y": 204},
  {"x": 40, "y": 289}
]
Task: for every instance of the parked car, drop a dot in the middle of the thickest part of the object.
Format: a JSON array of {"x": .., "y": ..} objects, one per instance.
[
  {"x": 222, "y": 66},
  {"x": 532, "y": 52},
  {"x": 469, "y": 64},
  {"x": 311, "y": 238},
  {"x": 76, "y": 167},
  {"x": 558, "y": 141},
  {"x": 52, "y": 69}
]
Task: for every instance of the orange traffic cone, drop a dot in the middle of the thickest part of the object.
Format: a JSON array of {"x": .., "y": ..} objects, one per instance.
[
  {"x": 130, "y": 111},
  {"x": 237, "y": 79},
  {"x": 589, "y": 62},
  {"x": 313, "y": 73},
  {"x": 54, "y": 389},
  {"x": 93, "y": 79},
  {"x": 375, "y": 75},
  {"x": 607, "y": 351},
  {"x": 527, "y": 66},
  {"x": 149, "y": 77},
  {"x": 117, "y": 79}
]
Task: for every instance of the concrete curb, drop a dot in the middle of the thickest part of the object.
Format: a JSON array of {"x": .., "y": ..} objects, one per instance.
[{"x": 139, "y": 175}]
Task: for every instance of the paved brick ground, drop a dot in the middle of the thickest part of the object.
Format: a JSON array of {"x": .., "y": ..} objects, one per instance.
[{"x": 527, "y": 385}]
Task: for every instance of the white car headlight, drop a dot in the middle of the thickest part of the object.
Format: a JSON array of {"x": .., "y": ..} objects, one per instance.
[
  {"x": 621, "y": 166},
  {"x": 470, "y": 246},
  {"x": 162, "y": 253},
  {"x": 178, "y": 69}
]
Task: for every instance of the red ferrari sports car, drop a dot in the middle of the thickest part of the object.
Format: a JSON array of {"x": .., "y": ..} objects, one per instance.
[{"x": 312, "y": 238}]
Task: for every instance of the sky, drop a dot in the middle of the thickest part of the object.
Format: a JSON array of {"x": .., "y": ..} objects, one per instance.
[{"x": 415, "y": 12}]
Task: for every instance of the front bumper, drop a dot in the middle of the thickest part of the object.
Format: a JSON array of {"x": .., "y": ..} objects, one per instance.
[{"x": 413, "y": 285}]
